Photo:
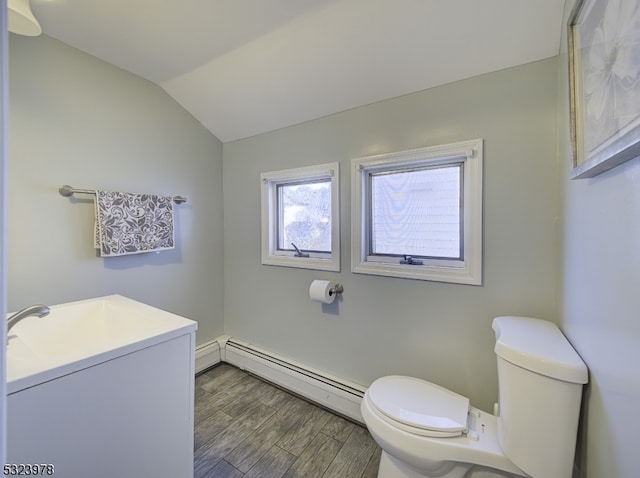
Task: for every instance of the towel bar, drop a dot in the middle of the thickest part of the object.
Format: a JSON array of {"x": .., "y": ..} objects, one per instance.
[{"x": 68, "y": 191}]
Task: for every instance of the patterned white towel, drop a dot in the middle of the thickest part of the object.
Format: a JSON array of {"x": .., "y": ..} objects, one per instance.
[{"x": 128, "y": 223}]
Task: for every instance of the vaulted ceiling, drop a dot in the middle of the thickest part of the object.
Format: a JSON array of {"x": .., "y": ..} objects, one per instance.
[{"x": 245, "y": 67}]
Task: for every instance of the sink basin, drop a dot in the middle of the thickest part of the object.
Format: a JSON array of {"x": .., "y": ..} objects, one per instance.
[{"x": 80, "y": 334}]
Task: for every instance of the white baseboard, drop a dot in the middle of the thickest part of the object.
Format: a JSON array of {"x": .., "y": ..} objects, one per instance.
[
  {"x": 207, "y": 355},
  {"x": 336, "y": 394}
]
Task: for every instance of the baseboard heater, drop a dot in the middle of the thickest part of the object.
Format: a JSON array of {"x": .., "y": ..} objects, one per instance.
[{"x": 333, "y": 393}]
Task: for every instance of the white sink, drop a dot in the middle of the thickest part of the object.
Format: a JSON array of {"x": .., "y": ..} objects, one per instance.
[{"x": 77, "y": 335}]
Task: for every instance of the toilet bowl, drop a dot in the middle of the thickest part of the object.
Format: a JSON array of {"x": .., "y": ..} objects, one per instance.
[{"x": 425, "y": 430}]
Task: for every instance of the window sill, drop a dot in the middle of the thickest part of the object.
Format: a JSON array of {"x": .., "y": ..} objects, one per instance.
[
  {"x": 466, "y": 274},
  {"x": 303, "y": 263}
]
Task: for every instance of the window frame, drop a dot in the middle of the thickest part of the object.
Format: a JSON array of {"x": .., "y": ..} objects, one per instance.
[
  {"x": 465, "y": 271},
  {"x": 271, "y": 254}
]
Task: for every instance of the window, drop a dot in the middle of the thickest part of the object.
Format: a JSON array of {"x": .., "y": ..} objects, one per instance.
[
  {"x": 300, "y": 217},
  {"x": 418, "y": 214}
]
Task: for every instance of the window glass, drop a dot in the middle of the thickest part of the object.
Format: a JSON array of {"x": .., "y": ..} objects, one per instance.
[
  {"x": 417, "y": 213},
  {"x": 304, "y": 216}
]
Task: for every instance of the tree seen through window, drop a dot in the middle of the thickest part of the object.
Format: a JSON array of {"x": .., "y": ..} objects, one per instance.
[{"x": 305, "y": 216}]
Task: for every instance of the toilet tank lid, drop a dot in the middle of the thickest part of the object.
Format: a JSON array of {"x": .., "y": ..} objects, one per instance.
[{"x": 539, "y": 346}]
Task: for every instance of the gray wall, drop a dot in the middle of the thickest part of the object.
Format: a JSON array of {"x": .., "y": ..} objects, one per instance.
[
  {"x": 601, "y": 303},
  {"x": 76, "y": 120},
  {"x": 441, "y": 332}
]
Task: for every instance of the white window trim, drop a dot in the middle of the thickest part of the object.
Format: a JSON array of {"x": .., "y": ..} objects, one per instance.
[
  {"x": 270, "y": 253},
  {"x": 468, "y": 271}
]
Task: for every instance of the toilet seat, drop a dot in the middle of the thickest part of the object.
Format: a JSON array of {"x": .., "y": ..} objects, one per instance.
[{"x": 419, "y": 407}]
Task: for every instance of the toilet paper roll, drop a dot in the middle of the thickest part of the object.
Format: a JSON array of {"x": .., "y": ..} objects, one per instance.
[{"x": 320, "y": 291}]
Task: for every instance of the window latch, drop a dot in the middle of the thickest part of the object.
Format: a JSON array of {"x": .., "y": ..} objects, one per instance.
[
  {"x": 411, "y": 261},
  {"x": 299, "y": 253}
]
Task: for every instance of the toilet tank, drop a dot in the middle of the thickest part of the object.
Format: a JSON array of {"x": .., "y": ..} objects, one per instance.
[{"x": 540, "y": 379}]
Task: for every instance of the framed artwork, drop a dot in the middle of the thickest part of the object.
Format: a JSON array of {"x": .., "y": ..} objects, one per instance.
[{"x": 604, "y": 84}]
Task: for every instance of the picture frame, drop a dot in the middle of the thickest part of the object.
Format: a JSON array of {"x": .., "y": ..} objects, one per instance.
[{"x": 604, "y": 84}]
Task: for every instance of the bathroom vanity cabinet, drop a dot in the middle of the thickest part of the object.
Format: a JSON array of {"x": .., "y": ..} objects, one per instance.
[{"x": 128, "y": 416}]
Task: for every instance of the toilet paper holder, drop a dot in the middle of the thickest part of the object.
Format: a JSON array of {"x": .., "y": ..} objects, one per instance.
[{"x": 336, "y": 289}]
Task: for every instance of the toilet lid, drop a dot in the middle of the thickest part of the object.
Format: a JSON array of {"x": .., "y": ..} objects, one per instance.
[{"x": 420, "y": 404}]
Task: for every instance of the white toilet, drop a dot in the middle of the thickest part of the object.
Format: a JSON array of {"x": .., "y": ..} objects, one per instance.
[{"x": 427, "y": 430}]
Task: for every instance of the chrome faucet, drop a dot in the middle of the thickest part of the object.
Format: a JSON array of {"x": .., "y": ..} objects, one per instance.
[{"x": 37, "y": 310}]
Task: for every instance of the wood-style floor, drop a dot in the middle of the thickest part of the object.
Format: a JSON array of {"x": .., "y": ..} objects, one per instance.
[{"x": 245, "y": 427}]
